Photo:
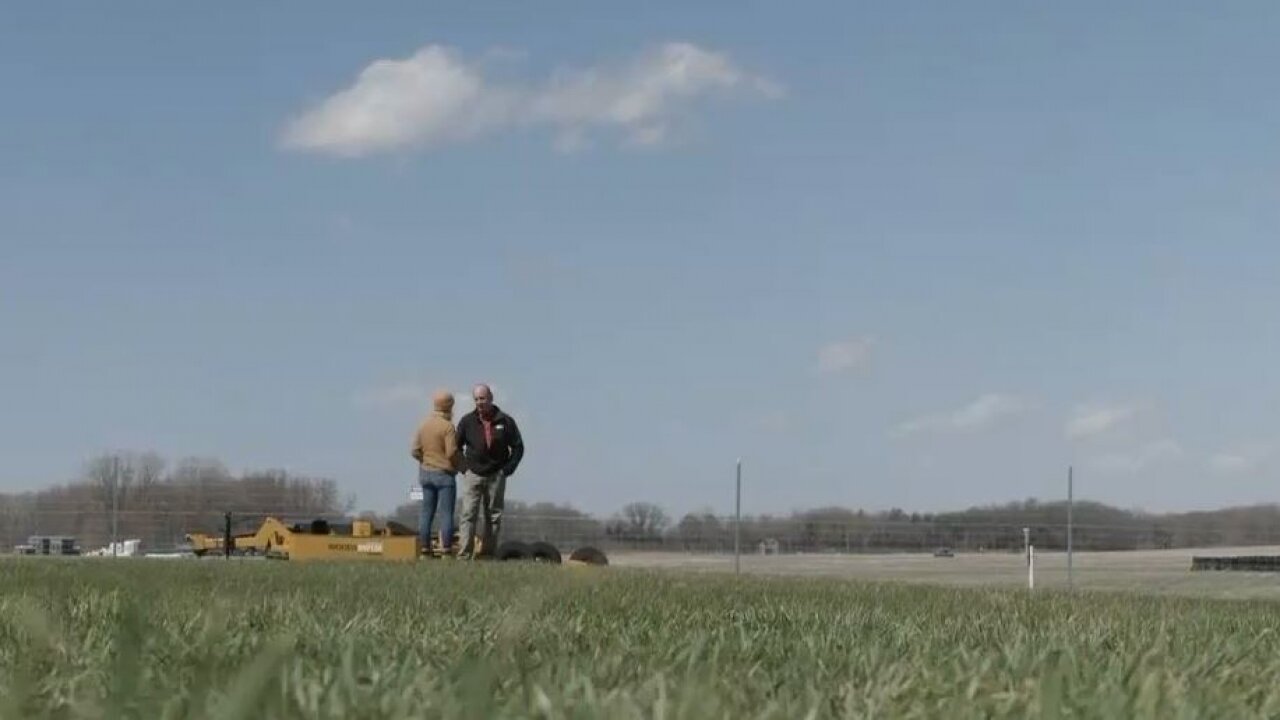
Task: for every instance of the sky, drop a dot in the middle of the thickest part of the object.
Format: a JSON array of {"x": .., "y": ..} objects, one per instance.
[{"x": 922, "y": 255}]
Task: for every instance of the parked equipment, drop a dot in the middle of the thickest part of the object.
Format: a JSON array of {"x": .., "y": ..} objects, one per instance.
[
  {"x": 1245, "y": 563},
  {"x": 588, "y": 556},
  {"x": 361, "y": 539},
  {"x": 317, "y": 540},
  {"x": 49, "y": 545}
]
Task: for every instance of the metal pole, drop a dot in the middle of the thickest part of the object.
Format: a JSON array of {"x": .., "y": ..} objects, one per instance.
[
  {"x": 1026, "y": 544},
  {"x": 1070, "y": 503},
  {"x": 115, "y": 504},
  {"x": 1031, "y": 567},
  {"x": 737, "y": 522}
]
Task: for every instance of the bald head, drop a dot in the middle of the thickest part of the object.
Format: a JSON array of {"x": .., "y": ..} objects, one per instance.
[
  {"x": 484, "y": 399},
  {"x": 442, "y": 400}
]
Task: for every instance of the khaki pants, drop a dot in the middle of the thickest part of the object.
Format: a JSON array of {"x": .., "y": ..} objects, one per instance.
[{"x": 481, "y": 495}]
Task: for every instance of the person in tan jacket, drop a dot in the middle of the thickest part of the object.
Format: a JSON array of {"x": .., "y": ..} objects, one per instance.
[{"x": 435, "y": 447}]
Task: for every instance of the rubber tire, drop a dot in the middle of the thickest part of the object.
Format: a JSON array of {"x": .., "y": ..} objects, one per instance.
[
  {"x": 512, "y": 550},
  {"x": 399, "y": 529},
  {"x": 588, "y": 555},
  {"x": 545, "y": 552}
]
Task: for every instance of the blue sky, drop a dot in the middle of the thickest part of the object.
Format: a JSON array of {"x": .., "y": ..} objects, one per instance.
[{"x": 921, "y": 255}]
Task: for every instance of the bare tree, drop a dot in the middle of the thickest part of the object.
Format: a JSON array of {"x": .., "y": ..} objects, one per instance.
[
  {"x": 150, "y": 470},
  {"x": 641, "y": 521},
  {"x": 700, "y": 530},
  {"x": 108, "y": 475}
]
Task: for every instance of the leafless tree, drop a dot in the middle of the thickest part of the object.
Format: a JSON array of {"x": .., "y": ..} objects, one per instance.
[{"x": 641, "y": 521}]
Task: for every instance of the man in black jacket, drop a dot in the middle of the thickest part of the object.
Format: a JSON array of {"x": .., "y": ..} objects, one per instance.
[{"x": 491, "y": 448}]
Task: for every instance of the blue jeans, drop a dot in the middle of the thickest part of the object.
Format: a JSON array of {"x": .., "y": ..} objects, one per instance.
[{"x": 438, "y": 494}]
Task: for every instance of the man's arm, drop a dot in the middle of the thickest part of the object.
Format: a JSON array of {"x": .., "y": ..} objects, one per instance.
[
  {"x": 460, "y": 436},
  {"x": 416, "y": 450},
  {"x": 461, "y": 433},
  {"x": 451, "y": 448},
  {"x": 515, "y": 445}
]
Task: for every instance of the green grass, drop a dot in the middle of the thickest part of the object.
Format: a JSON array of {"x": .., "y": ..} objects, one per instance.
[{"x": 157, "y": 639}]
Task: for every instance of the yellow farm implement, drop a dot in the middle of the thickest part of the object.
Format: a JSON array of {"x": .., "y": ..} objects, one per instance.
[
  {"x": 361, "y": 540},
  {"x": 318, "y": 540}
]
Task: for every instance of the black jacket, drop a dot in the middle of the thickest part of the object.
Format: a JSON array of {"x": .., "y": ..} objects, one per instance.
[{"x": 504, "y": 454}]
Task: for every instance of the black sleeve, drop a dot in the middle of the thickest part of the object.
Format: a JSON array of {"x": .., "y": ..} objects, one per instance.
[
  {"x": 515, "y": 446},
  {"x": 461, "y": 432}
]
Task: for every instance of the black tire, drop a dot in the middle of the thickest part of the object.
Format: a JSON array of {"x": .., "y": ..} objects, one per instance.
[
  {"x": 399, "y": 529},
  {"x": 588, "y": 556},
  {"x": 544, "y": 552},
  {"x": 512, "y": 550}
]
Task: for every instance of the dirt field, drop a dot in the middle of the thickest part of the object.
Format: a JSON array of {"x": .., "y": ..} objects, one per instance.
[{"x": 1152, "y": 571}]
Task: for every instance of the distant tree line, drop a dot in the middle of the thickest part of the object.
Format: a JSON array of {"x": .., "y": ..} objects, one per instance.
[
  {"x": 992, "y": 528},
  {"x": 148, "y": 498},
  {"x": 1096, "y": 526}
]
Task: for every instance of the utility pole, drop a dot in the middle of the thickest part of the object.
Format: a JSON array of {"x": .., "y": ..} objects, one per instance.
[
  {"x": 1026, "y": 544},
  {"x": 737, "y": 522},
  {"x": 115, "y": 504},
  {"x": 227, "y": 541},
  {"x": 1031, "y": 567},
  {"x": 1070, "y": 503}
]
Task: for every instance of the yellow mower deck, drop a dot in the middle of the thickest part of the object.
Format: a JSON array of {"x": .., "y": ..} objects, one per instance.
[
  {"x": 319, "y": 541},
  {"x": 360, "y": 540}
]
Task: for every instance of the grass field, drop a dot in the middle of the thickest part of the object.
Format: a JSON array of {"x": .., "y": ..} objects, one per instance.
[
  {"x": 178, "y": 639},
  {"x": 1164, "y": 572}
]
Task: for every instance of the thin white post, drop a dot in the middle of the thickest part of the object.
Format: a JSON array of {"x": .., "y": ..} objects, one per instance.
[
  {"x": 1031, "y": 567},
  {"x": 115, "y": 504},
  {"x": 737, "y": 522},
  {"x": 1070, "y": 503}
]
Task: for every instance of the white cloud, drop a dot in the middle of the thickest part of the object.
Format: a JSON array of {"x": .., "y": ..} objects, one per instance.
[
  {"x": 1243, "y": 458},
  {"x": 571, "y": 141},
  {"x": 399, "y": 395},
  {"x": 1140, "y": 458},
  {"x": 774, "y": 422},
  {"x": 642, "y": 96},
  {"x": 1229, "y": 463},
  {"x": 837, "y": 357},
  {"x": 415, "y": 396},
  {"x": 1094, "y": 420},
  {"x": 435, "y": 97},
  {"x": 982, "y": 413}
]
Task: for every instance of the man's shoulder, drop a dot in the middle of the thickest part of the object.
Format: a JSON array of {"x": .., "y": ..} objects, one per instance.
[{"x": 508, "y": 424}]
